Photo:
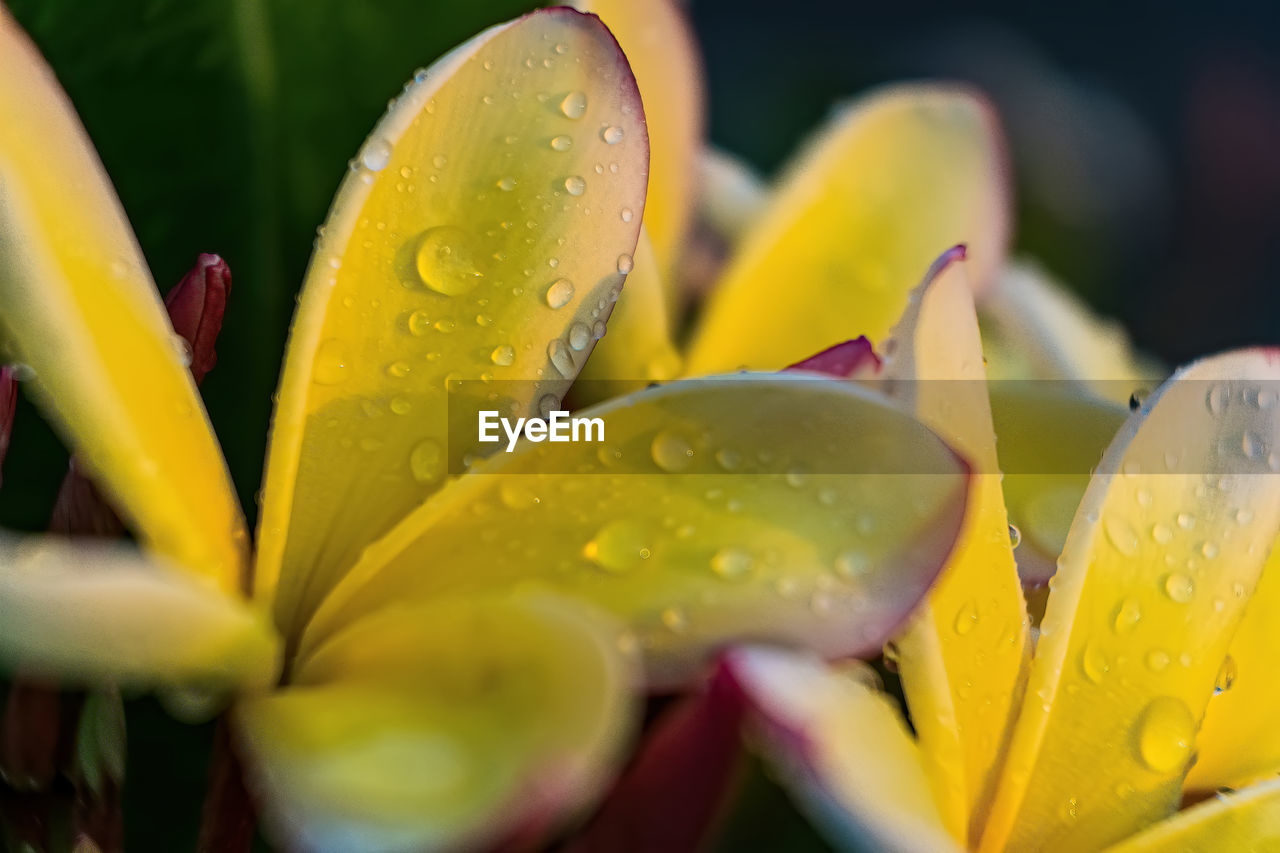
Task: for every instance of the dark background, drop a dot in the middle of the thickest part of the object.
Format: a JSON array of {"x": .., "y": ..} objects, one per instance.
[{"x": 1145, "y": 140}]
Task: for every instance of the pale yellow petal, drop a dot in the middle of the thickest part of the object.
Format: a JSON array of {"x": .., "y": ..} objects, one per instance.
[
  {"x": 469, "y": 255},
  {"x": 81, "y": 612},
  {"x": 1239, "y": 741},
  {"x": 844, "y": 750},
  {"x": 963, "y": 658},
  {"x": 454, "y": 724},
  {"x": 780, "y": 507},
  {"x": 1244, "y": 820},
  {"x": 660, "y": 47},
  {"x": 637, "y": 348},
  {"x": 896, "y": 179},
  {"x": 1157, "y": 569},
  {"x": 1043, "y": 331},
  {"x": 79, "y": 310}
]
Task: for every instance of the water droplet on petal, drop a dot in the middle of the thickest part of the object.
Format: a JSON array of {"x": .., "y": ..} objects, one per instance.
[
  {"x": 1015, "y": 536},
  {"x": 733, "y": 564},
  {"x": 419, "y": 323},
  {"x": 331, "y": 363},
  {"x": 1179, "y": 587},
  {"x": 506, "y": 183},
  {"x": 1128, "y": 615},
  {"x": 625, "y": 263},
  {"x": 1162, "y": 534},
  {"x": 579, "y": 336},
  {"x": 1217, "y": 398},
  {"x": 561, "y": 143},
  {"x": 447, "y": 260},
  {"x": 503, "y": 356},
  {"x": 575, "y": 185},
  {"x": 559, "y": 293},
  {"x": 574, "y": 105},
  {"x": 967, "y": 618},
  {"x": 1164, "y": 734},
  {"x": 561, "y": 360},
  {"x": 1121, "y": 535},
  {"x": 376, "y": 155},
  {"x": 671, "y": 451},
  {"x": 426, "y": 461},
  {"x": 852, "y": 564},
  {"x": 612, "y": 135},
  {"x": 1226, "y": 675},
  {"x": 1094, "y": 663}
]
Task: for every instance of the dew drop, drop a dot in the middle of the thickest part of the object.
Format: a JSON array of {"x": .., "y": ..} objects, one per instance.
[
  {"x": 419, "y": 323},
  {"x": 398, "y": 369},
  {"x": 376, "y": 155},
  {"x": 1216, "y": 400},
  {"x": 1157, "y": 660},
  {"x": 574, "y": 105},
  {"x": 1164, "y": 734},
  {"x": 1179, "y": 587},
  {"x": 579, "y": 336},
  {"x": 559, "y": 293},
  {"x": 1015, "y": 536},
  {"x": 852, "y": 564},
  {"x": 619, "y": 546},
  {"x": 1162, "y": 534},
  {"x": 400, "y": 405},
  {"x": 728, "y": 458},
  {"x": 503, "y": 356},
  {"x": 1226, "y": 675},
  {"x": 966, "y": 619},
  {"x": 561, "y": 143},
  {"x": 1128, "y": 615},
  {"x": 671, "y": 451},
  {"x": 612, "y": 135},
  {"x": 561, "y": 360},
  {"x": 575, "y": 185},
  {"x": 627, "y": 214},
  {"x": 1209, "y": 550},
  {"x": 331, "y": 364},
  {"x": 1121, "y": 535},
  {"x": 547, "y": 404},
  {"x": 506, "y": 183},
  {"x": 517, "y": 496},
  {"x": 445, "y": 325},
  {"x": 1252, "y": 445},
  {"x": 1094, "y": 663},
  {"x": 625, "y": 263},
  {"x": 426, "y": 461},
  {"x": 1186, "y": 520},
  {"x": 733, "y": 564},
  {"x": 446, "y": 260}
]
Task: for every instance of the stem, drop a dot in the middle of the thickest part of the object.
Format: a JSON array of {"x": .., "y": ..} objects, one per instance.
[{"x": 228, "y": 821}]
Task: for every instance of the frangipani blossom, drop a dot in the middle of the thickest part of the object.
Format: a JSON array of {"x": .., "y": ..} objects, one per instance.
[{"x": 423, "y": 649}]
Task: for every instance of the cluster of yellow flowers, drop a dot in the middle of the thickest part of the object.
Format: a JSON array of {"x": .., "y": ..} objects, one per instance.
[{"x": 425, "y": 649}]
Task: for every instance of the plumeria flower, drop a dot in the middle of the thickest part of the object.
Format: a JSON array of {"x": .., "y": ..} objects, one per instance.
[
  {"x": 423, "y": 648},
  {"x": 1084, "y": 738}
]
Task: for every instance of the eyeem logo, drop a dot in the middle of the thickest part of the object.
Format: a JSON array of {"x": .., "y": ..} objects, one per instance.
[{"x": 558, "y": 426}]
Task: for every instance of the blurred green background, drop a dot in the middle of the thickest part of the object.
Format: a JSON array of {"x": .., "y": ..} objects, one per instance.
[{"x": 1144, "y": 143}]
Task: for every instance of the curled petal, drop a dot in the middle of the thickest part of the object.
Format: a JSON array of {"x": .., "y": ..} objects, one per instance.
[
  {"x": 446, "y": 725},
  {"x": 776, "y": 506},
  {"x": 1162, "y": 556},
  {"x": 1248, "y": 819},
  {"x": 471, "y": 256},
  {"x": 844, "y": 750},
  {"x": 848, "y": 360},
  {"x": 902, "y": 174}
]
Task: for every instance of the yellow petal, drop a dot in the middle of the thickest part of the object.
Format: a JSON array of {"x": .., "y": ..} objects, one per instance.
[
  {"x": 844, "y": 749},
  {"x": 78, "y": 307},
  {"x": 1157, "y": 568},
  {"x": 637, "y": 349},
  {"x": 773, "y": 506},
  {"x": 449, "y": 725},
  {"x": 1052, "y": 434},
  {"x": 1238, "y": 741},
  {"x": 895, "y": 180},
  {"x": 83, "y": 612},
  {"x": 1047, "y": 332},
  {"x": 1245, "y": 820},
  {"x": 475, "y": 244},
  {"x": 660, "y": 48},
  {"x": 963, "y": 658}
]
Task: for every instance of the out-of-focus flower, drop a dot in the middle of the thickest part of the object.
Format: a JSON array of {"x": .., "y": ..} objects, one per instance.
[{"x": 427, "y": 649}]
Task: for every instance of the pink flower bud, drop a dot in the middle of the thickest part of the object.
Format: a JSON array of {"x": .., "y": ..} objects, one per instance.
[{"x": 196, "y": 307}]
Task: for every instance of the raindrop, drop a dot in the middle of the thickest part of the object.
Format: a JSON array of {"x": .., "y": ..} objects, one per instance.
[
  {"x": 612, "y": 135},
  {"x": 579, "y": 336},
  {"x": 419, "y": 323},
  {"x": 728, "y": 458},
  {"x": 1216, "y": 400},
  {"x": 517, "y": 496},
  {"x": 561, "y": 143},
  {"x": 575, "y": 185},
  {"x": 331, "y": 363},
  {"x": 671, "y": 451},
  {"x": 852, "y": 564},
  {"x": 561, "y": 360},
  {"x": 1157, "y": 660},
  {"x": 503, "y": 356},
  {"x": 444, "y": 325},
  {"x": 625, "y": 263},
  {"x": 1164, "y": 734},
  {"x": 1094, "y": 663},
  {"x": 547, "y": 404},
  {"x": 1162, "y": 534},
  {"x": 1179, "y": 587},
  {"x": 376, "y": 156},
  {"x": 559, "y": 293},
  {"x": 1210, "y": 550},
  {"x": 967, "y": 618},
  {"x": 733, "y": 564},
  {"x": 446, "y": 260},
  {"x": 426, "y": 461},
  {"x": 1121, "y": 535},
  {"x": 574, "y": 105},
  {"x": 506, "y": 183},
  {"x": 1015, "y": 537},
  {"x": 398, "y": 369},
  {"x": 1252, "y": 445},
  {"x": 1186, "y": 520},
  {"x": 627, "y": 214},
  {"x": 400, "y": 406},
  {"x": 1128, "y": 615},
  {"x": 1226, "y": 675}
]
